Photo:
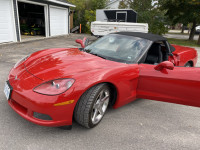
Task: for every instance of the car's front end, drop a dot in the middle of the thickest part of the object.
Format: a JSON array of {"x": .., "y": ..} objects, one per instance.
[
  {"x": 49, "y": 110},
  {"x": 45, "y": 98}
]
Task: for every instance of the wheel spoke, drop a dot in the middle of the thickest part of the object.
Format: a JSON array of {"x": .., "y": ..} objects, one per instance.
[
  {"x": 94, "y": 115},
  {"x": 105, "y": 98},
  {"x": 101, "y": 95},
  {"x": 96, "y": 106},
  {"x": 101, "y": 111}
]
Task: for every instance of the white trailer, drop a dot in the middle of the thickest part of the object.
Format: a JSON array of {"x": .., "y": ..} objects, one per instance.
[{"x": 99, "y": 28}]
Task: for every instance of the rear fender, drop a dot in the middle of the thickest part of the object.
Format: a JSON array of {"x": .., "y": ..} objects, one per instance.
[{"x": 183, "y": 55}]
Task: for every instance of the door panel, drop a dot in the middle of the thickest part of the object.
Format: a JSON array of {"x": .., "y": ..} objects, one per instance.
[{"x": 181, "y": 85}]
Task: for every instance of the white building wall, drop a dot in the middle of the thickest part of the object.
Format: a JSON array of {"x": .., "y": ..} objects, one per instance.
[
  {"x": 7, "y": 22},
  {"x": 58, "y": 21},
  {"x": 100, "y": 15}
]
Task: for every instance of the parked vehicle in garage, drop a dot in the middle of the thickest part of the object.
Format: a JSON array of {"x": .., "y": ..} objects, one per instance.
[
  {"x": 32, "y": 30},
  {"x": 52, "y": 86}
]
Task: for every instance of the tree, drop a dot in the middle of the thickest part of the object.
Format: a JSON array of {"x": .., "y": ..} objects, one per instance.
[
  {"x": 148, "y": 12},
  {"x": 183, "y": 11},
  {"x": 123, "y": 4},
  {"x": 98, "y": 4},
  {"x": 85, "y": 12},
  {"x": 141, "y": 5}
]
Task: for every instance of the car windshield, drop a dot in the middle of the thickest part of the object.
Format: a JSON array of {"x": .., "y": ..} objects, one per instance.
[{"x": 120, "y": 48}]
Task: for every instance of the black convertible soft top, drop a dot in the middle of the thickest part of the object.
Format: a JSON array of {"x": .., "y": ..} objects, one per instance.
[{"x": 148, "y": 36}]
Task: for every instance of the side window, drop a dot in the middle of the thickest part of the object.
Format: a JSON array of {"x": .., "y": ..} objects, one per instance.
[
  {"x": 165, "y": 51},
  {"x": 156, "y": 54}
]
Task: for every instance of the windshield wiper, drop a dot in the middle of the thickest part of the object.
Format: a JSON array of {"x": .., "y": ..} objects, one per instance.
[
  {"x": 81, "y": 49},
  {"x": 87, "y": 50},
  {"x": 98, "y": 55}
]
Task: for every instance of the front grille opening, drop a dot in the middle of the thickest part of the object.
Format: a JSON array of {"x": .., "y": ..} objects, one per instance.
[
  {"x": 41, "y": 116},
  {"x": 19, "y": 107}
]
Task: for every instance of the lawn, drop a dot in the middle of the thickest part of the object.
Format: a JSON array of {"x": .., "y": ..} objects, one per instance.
[
  {"x": 179, "y": 33},
  {"x": 183, "y": 42}
]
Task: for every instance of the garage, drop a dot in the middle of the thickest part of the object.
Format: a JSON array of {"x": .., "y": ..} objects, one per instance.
[{"x": 23, "y": 20}]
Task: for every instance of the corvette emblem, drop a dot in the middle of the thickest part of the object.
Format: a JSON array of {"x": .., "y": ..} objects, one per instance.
[{"x": 16, "y": 78}]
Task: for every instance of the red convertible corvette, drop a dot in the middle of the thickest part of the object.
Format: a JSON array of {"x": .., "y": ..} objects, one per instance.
[{"x": 53, "y": 86}]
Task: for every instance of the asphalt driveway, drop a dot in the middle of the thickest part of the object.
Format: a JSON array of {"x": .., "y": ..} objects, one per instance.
[{"x": 142, "y": 124}]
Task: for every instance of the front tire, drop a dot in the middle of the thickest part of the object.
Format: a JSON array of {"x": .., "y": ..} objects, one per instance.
[{"x": 92, "y": 106}]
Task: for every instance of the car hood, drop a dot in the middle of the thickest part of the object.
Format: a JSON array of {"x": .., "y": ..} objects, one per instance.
[{"x": 64, "y": 63}]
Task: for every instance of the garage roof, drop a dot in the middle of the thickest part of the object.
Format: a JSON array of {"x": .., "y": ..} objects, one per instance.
[{"x": 62, "y": 2}]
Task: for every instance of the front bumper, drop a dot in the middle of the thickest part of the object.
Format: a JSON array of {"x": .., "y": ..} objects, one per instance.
[
  {"x": 28, "y": 115},
  {"x": 27, "y": 103}
]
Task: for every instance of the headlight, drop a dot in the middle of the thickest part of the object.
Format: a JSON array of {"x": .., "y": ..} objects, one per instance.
[
  {"x": 54, "y": 87},
  {"x": 21, "y": 61}
]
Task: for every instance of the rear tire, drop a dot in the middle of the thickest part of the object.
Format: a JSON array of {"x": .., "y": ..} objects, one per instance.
[{"x": 92, "y": 106}]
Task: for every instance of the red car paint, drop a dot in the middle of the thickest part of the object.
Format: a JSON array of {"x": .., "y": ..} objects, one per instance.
[
  {"x": 180, "y": 85},
  {"x": 182, "y": 55},
  {"x": 130, "y": 80}
]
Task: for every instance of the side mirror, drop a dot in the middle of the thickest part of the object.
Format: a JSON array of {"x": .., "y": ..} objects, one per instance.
[
  {"x": 164, "y": 65},
  {"x": 84, "y": 42}
]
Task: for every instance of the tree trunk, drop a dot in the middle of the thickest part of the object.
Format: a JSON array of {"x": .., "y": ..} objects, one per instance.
[
  {"x": 198, "y": 40},
  {"x": 192, "y": 31},
  {"x": 183, "y": 28}
]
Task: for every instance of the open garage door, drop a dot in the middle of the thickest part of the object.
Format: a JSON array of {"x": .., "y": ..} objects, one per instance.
[
  {"x": 32, "y": 20},
  {"x": 7, "y": 23},
  {"x": 58, "y": 21}
]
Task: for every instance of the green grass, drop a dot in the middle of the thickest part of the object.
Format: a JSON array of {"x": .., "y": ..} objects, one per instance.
[
  {"x": 183, "y": 42},
  {"x": 178, "y": 33}
]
